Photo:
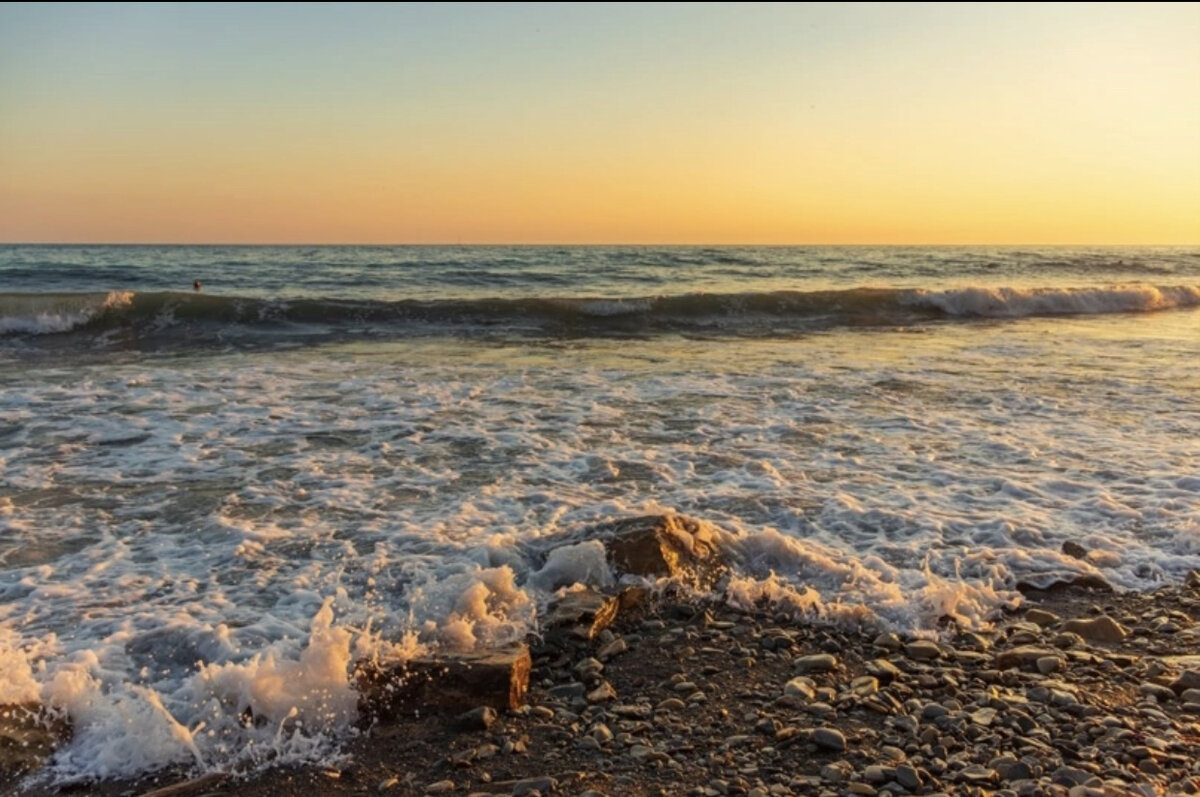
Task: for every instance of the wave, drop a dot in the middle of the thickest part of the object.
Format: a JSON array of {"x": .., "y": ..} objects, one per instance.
[{"x": 174, "y": 315}]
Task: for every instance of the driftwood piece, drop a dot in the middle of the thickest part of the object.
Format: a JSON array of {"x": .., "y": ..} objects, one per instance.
[{"x": 456, "y": 682}]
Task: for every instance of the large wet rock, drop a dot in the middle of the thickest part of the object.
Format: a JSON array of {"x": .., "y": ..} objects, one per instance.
[
  {"x": 29, "y": 735},
  {"x": 664, "y": 545},
  {"x": 497, "y": 678}
]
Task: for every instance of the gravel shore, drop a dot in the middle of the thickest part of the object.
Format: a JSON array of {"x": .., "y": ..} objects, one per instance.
[{"x": 1080, "y": 693}]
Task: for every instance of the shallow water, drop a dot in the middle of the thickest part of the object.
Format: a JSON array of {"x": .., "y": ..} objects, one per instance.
[{"x": 187, "y": 530}]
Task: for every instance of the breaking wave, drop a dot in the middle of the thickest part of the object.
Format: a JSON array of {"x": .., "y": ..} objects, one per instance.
[{"x": 163, "y": 316}]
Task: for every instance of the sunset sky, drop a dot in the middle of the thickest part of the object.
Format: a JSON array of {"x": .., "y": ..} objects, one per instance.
[{"x": 600, "y": 124}]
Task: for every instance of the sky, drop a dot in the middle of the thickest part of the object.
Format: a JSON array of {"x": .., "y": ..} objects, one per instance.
[{"x": 632, "y": 123}]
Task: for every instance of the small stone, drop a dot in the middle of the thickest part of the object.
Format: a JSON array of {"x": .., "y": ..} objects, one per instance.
[
  {"x": 613, "y": 648},
  {"x": 1096, "y": 629},
  {"x": 864, "y": 789},
  {"x": 567, "y": 691},
  {"x": 602, "y": 693},
  {"x": 977, "y": 774},
  {"x": 908, "y": 777},
  {"x": 671, "y": 704},
  {"x": 818, "y": 662},
  {"x": 829, "y": 738},
  {"x": 800, "y": 688},
  {"x": 983, "y": 716},
  {"x": 878, "y": 774},
  {"x": 1048, "y": 664},
  {"x": 922, "y": 649},
  {"x": 1074, "y": 550},
  {"x": 885, "y": 671},
  {"x": 1042, "y": 617},
  {"x": 526, "y": 786},
  {"x": 441, "y": 787},
  {"x": 388, "y": 783},
  {"x": 477, "y": 719},
  {"x": 1189, "y": 679},
  {"x": 1022, "y": 656}
]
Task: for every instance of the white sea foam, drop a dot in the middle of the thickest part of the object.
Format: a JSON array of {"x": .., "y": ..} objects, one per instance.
[
  {"x": 998, "y": 302},
  {"x": 194, "y": 553}
]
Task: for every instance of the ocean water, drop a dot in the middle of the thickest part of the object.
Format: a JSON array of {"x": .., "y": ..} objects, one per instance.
[{"x": 221, "y": 500}]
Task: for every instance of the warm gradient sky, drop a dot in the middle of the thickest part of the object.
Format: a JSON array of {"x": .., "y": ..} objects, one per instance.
[{"x": 630, "y": 123}]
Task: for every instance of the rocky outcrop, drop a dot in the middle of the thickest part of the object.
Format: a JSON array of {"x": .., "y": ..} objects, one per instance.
[{"x": 664, "y": 545}]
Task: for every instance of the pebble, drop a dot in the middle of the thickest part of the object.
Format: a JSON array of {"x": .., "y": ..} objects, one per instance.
[
  {"x": 1042, "y": 617},
  {"x": 829, "y": 738},
  {"x": 922, "y": 649},
  {"x": 818, "y": 662},
  {"x": 1096, "y": 629},
  {"x": 799, "y": 688},
  {"x": 1049, "y": 664}
]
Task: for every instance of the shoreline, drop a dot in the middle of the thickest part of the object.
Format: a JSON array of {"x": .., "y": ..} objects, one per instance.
[{"x": 703, "y": 699}]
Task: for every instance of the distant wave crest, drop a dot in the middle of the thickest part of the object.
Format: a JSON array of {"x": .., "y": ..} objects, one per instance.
[{"x": 188, "y": 317}]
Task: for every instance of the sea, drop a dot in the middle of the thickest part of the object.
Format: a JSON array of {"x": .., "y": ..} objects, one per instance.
[{"x": 215, "y": 502}]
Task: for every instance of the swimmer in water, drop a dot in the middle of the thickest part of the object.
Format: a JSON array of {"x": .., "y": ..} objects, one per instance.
[{"x": 197, "y": 285}]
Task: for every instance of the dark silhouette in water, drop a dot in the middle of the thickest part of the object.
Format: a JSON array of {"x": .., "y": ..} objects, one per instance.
[{"x": 197, "y": 285}]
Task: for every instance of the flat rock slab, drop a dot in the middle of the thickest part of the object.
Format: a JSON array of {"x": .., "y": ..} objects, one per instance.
[
  {"x": 663, "y": 545},
  {"x": 28, "y": 737},
  {"x": 496, "y": 678}
]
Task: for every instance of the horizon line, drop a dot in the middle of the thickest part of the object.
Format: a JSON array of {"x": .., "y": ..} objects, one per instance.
[{"x": 588, "y": 244}]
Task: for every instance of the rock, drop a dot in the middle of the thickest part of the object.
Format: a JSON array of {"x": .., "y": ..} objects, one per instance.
[
  {"x": 876, "y": 773},
  {"x": 567, "y": 692},
  {"x": 664, "y": 545},
  {"x": 817, "y": 662},
  {"x": 496, "y": 678},
  {"x": 580, "y": 615},
  {"x": 1189, "y": 679},
  {"x": 1088, "y": 581},
  {"x": 1074, "y": 550},
  {"x": 1048, "y": 664},
  {"x": 1022, "y": 656},
  {"x": 885, "y": 671},
  {"x": 602, "y": 693},
  {"x": 908, "y": 777},
  {"x": 829, "y": 739},
  {"x": 441, "y": 787},
  {"x": 1096, "y": 629},
  {"x": 922, "y": 649},
  {"x": 477, "y": 719},
  {"x": 1042, "y": 617},
  {"x": 983, "y": 716},
  {"x": 613, "y": 648},
  {"x": 28, "y": 736},
  {"x": 799, "y": 688}
]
